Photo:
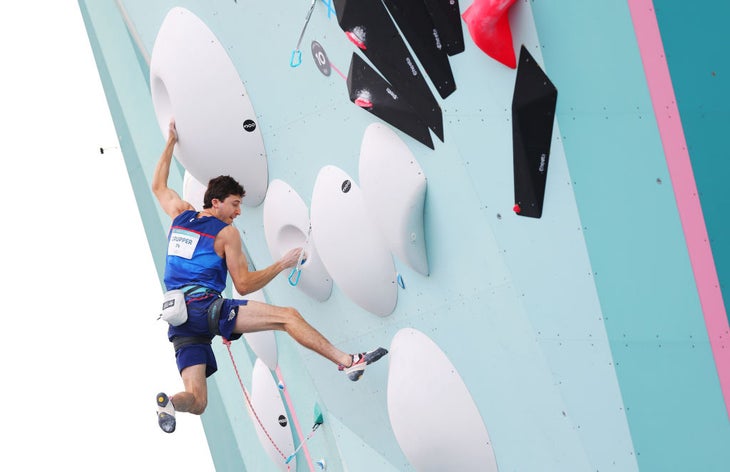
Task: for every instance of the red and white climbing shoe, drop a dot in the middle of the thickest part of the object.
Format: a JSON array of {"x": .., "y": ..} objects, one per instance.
[
  {"x": 359, "y": 361},
  {"x": 165, "y": 413}
]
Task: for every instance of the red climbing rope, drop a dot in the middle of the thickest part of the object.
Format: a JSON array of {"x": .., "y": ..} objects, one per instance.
[{"x": 248, "y": 400}]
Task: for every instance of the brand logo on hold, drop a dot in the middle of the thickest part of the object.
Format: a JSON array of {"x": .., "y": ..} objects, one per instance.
[
  {"x": 249, "y": 125},
  {"x": 543, "y": 159},
  {"x": 391, "y": 93},
  {"x": 410, "y": 64},
  {"x": 282, "y": 421},
  {"x": 437, "y": 38},
  {"x": 346, "y": 186}
]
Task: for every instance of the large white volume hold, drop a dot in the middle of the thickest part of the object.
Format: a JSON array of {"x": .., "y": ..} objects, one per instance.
[
  {"x": 193, "y": 80},
  {"x": 276, "y": 434},
  {"x": 286, "y": 226},
  {"x": 351, "y": 248},
  {"x": 433, "y": 415},
  {"x": 394, "y": 188},
  {"x": 193, "y": 191}
]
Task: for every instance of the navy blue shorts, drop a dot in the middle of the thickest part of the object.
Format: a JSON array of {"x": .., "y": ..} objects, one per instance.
[{"x": 197, "y": 326}]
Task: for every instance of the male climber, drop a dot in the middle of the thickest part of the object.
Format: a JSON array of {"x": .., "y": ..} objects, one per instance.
[{"x": 211, "y": 248}]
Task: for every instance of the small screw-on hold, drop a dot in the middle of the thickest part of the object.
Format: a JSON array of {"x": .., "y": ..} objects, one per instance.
[{"x": 517, "y": 208}]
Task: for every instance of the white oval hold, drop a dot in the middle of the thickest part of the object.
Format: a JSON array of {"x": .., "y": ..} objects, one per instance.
[
  {"x": 269, "y": 407},
  {"x": 394, "y": 187},
  {"x": 286, "y": 226},
  {"x": 351, "y": 248},
  {"x": 193, "y": 80},
  {"x": 433, "y": 415}
]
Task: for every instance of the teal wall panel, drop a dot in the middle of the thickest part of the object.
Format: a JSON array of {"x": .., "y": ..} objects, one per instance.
[{"x": 695, "y": 37}]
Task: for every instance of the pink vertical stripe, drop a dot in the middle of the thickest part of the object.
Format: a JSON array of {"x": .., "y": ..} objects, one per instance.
[
  {"x": 685, "y": 188},
  {"x": 294, "y": 418}
]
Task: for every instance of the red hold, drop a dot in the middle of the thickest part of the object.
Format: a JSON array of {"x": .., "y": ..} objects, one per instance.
[
  {"x": 488, "y": 25},
  {"x": 517, "y": 208}
]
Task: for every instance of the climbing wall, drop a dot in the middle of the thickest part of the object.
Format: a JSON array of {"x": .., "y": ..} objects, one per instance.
[{"x": 576, "y": 337}]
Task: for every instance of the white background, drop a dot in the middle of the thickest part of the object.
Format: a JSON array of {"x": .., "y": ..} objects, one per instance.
[{"x": 82, "y": 355}]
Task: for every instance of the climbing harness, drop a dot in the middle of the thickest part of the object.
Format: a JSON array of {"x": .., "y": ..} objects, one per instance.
[
  {"x": 214, "y": 315},
  {"x": 174, "y": 308},
  {"x": 179, "y": 342},
  {"x": 296, "y": 54},
  {"x": 297, "y": 270},
  {"x": 174, "y": 311}
]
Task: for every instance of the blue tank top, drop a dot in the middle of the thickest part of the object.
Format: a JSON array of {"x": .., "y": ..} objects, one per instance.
[{"x": 191, "y": 257}]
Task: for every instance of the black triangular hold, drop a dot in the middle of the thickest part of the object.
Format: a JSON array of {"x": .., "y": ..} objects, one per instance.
[
  {"x": 533, "y": 115},
  {"x": 368, "y": 25},
  {"x": 373, "y": 93},
  {"x": 446, "y": 17},
  {"x": 418, "y": 27}
]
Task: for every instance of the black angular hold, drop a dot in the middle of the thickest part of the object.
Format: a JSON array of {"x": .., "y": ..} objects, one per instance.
[
  {"x": 368, "y": 25},
  {"x": 425, "y": 39},
  {"x": 373, "y": 93},
  {"x": 446, "y": 17},
  {"x": 533, "y": 115}
]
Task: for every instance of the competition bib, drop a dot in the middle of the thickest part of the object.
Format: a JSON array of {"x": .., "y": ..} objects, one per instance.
[{"x": 182, "y": 243}]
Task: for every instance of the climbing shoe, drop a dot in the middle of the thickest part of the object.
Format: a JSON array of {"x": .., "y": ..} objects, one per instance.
[
  {"x": 359, "y": 361},
  {"x": 165, "y": 413}
]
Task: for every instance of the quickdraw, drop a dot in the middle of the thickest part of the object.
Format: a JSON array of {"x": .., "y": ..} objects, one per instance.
[
  {"x": 296, "y": 54},
  {"x": 297, "y": 270}
]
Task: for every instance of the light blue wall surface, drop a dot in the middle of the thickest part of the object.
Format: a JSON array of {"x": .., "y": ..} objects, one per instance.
[{"x": 579, "y": 335}]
